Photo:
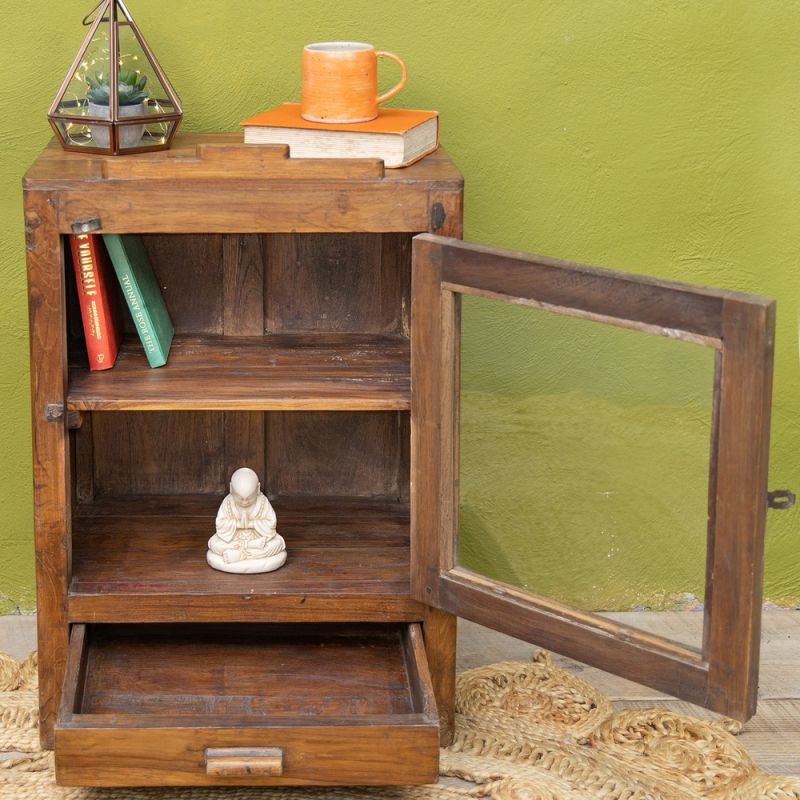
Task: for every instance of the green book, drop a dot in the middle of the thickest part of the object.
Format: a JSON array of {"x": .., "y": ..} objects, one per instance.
[{"x": 143, "y": 295}]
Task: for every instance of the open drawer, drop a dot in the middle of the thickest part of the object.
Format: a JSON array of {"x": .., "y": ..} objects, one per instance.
[{"x": 254, "y": 704}]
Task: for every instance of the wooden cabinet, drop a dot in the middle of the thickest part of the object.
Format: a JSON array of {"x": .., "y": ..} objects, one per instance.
[{"x": 305, "y": 349}]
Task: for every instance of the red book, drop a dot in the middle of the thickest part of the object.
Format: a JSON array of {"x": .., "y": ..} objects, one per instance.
[{"x": 98, "y": 300}]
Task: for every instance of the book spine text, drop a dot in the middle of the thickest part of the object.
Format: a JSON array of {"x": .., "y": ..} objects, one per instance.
[
  {"x": 97, "y": 311},
  {"x": 139, "y": 317}
]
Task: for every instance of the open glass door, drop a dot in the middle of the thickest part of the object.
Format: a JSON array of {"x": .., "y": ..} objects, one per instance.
[{"x": 489, "y": 556}]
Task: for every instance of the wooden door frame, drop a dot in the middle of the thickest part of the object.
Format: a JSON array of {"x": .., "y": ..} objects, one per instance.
[{"x": 723, "y": 675}]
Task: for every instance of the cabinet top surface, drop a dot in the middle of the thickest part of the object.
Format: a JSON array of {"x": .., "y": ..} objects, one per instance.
[{"x": 223, "y": 158}]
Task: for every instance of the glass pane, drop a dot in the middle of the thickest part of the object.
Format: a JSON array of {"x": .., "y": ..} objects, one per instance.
[
  {"x": 79, "y": 134},
  {"x": 93, "y": 66},
  {"x": 584, "y": 451},
  {"x": 138, "y": 79},
  {"x": 150, "y": 134},
  {"x": 97, "y": 134}
]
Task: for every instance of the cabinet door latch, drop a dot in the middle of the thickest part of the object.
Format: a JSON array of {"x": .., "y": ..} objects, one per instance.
[
  {"x": 781, "y": 498},
  {"x": 86, "y": 225}
]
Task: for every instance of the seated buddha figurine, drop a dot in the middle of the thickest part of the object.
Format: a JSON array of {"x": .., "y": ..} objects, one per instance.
[{"x": 246, "y": 540}]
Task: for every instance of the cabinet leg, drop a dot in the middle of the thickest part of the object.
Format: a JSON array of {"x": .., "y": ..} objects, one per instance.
[
  {"x": 439, "y": 629},
  {"x": 52, "y": 657}
]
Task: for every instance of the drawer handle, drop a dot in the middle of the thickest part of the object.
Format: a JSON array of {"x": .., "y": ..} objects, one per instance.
[{"x": 244, "y": 762}]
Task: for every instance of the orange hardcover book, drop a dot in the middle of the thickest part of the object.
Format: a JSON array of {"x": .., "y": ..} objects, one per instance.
[{"x": 400, "y": 136}]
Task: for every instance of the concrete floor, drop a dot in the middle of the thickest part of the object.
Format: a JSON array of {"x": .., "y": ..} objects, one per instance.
[
  {"x": 772, "y": 735},
  {"x": 18, "y": 635}
]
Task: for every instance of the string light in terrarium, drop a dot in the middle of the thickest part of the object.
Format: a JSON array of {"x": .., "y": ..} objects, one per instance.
[{"x": 116, "y": 98}]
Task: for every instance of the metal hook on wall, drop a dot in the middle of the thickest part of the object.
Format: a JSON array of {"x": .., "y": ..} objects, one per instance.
[{"x": 89, "y": 18}]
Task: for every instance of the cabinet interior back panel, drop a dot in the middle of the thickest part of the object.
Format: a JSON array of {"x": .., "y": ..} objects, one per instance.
[{"x": 249, "y": 284}]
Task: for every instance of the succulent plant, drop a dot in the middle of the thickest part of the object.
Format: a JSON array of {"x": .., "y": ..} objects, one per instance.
[{"x": 131, "y": 89}]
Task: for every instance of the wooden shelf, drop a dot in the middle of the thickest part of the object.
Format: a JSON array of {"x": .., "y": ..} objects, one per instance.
[
  {"x": 142, "y": 559},
  {"x": 278, "y": 372}
]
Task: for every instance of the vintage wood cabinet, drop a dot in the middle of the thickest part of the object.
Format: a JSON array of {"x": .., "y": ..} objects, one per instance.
[{"x": 309, "y": 349}]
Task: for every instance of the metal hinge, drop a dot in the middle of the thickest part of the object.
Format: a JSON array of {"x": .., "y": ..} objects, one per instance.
[
  {"x": 53, "y": 412},
  {"x": 86, "y": 225},
  {"x": 781, "y": 499}
]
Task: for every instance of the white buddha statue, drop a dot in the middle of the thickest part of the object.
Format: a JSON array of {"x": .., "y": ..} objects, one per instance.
[{"x": 246, "y": 540}]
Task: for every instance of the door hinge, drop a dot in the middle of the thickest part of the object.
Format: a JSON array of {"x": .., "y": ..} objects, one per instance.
[
  {"x": 53, "y": 412},
  {"x": 86, "y": 225},
  {"x": 781, "y": 499},
  {"x": 438, "y": 216}
]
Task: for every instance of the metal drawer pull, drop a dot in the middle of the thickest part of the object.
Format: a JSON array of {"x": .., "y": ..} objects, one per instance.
[{"x": 244, "y": 762}]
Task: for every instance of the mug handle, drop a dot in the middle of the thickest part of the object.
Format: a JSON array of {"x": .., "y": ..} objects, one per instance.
[{"x": 401, "y": 83}]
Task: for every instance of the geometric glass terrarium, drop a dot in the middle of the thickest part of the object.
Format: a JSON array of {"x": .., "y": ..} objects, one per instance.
[{"x": 115, "y": 98}]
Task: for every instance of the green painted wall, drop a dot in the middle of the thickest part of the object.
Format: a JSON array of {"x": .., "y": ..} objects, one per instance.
[{"x": 660, "y": 136}]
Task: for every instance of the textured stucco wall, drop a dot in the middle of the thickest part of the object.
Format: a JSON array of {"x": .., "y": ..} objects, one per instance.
[{"x": 660, "y": 136}]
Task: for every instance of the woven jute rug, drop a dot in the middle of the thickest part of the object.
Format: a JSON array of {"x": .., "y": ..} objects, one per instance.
[{"x": 524, "y": 731}]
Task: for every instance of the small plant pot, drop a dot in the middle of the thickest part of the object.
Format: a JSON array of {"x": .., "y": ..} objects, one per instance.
[{"x": 129, "y": 135}]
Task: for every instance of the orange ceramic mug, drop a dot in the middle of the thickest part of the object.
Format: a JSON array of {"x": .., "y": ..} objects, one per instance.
[{"x": 340, "y": 82}]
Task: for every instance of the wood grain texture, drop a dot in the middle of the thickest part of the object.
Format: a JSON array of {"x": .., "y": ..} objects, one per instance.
[
  {"x": 426, "y": 411},
  {"x": 82, "y": 454},
  {"x": 185, "y": 199},
  {"x": 243, "y": 315},
  {"x": 141, "y": 558},
  {"x": 51, "y": 461},
  {"x": 331, "y": 372},
  {"x": 243, "y": 285},
  {"x": 356, "y": 454},
  {"x": 668, "y": 666},
  {"x": 440, "y": 648},
  {"x": 659, "y": 306},
  {"x": 446, "y": 218},
  {"x": 74, "y": 672},
  {"x": 201, "y": 671},
  {"x": 159, "y": 453},
  {"x": 399, "y": 751},
  {"x": 56, "y": 169},
  {"x": 422, "y": 693},
  {"x": 249, "y": 208},
  {"x": 189, "y": 271},
  {"x": 343, "y": 704},
  {"x": 229, "y": 161},
  {"x": 737, "y": 555},
  {"x": 326, "y": 282},
  {"x": 240, "y": 762}
]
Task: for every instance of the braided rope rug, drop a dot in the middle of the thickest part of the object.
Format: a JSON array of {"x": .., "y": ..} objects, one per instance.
[{"x": 524, "y": 731}]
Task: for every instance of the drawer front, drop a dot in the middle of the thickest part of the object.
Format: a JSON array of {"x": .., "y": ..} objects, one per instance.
[
  {"x": 359, "y": 755},
  {"x": 145, "y": 708}
]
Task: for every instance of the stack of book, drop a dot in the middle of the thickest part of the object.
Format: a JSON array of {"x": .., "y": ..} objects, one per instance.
[
  {"x": 97, "y": 260},
  {"x": 400, "y": 136}
]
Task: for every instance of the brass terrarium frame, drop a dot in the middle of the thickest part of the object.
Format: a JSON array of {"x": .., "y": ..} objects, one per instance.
[{"x": 115, "y": 14}]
